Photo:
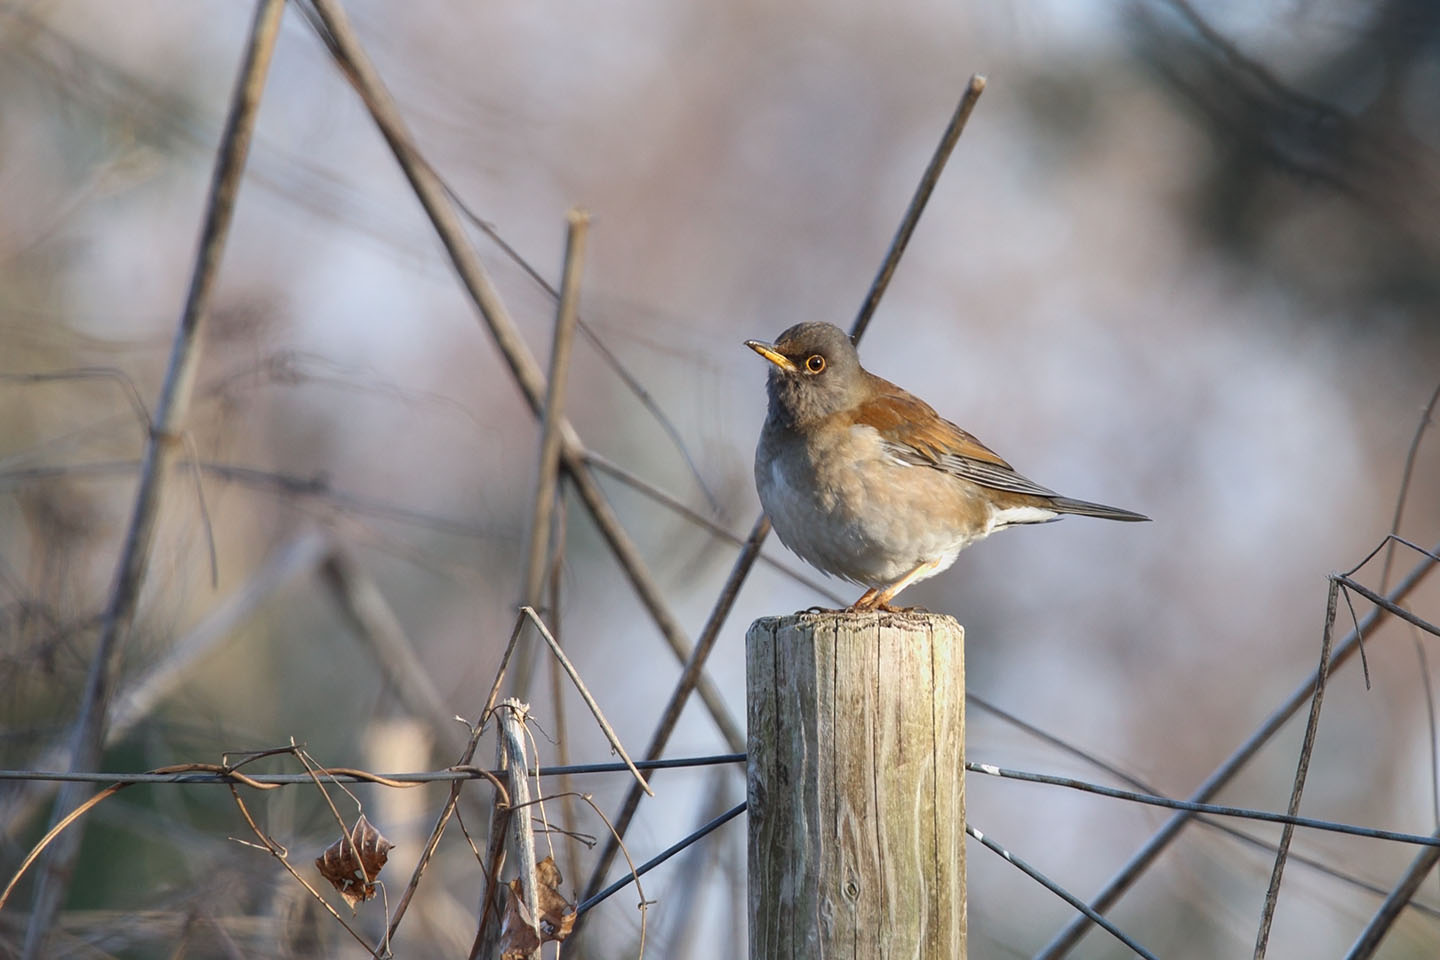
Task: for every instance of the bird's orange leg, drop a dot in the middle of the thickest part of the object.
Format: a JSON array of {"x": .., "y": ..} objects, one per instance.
[
  {"x": 866, "y": 601},
  {"x": 876, "y": 599}
]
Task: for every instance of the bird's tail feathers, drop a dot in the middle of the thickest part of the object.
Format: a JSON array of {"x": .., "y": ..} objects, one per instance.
[{"x": 1085, "y": 508}]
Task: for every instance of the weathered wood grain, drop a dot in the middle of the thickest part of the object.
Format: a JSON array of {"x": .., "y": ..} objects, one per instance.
[{"x": 857, "y": 786}]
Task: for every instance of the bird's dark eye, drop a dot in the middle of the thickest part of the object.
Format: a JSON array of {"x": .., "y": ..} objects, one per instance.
[{"x": 815, "y": 364}]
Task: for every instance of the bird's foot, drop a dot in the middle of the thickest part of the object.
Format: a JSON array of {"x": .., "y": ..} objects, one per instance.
[
  {"x": 881, "y": 608},
  {"x": 886, "y": 608},
  {"x": 876, "y": 602}
]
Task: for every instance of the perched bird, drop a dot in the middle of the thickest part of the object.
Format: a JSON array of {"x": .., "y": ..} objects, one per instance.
[{"x": 867, "y": 482}]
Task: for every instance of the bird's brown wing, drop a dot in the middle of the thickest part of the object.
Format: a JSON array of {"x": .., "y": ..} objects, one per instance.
[{"x": 913, "y": 432}]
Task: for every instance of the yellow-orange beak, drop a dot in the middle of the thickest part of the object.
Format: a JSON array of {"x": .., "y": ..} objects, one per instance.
[{"x": 769, "y": 352}]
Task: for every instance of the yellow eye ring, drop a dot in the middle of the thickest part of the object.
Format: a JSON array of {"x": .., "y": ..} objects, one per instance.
[{"x": 815, "y": 363}]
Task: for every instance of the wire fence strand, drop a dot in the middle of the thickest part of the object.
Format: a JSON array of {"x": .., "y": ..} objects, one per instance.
[{"x": 1140, "y": 861}]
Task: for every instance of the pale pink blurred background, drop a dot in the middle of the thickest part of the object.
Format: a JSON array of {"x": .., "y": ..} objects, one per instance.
[{"x": 1146, "y": 278}]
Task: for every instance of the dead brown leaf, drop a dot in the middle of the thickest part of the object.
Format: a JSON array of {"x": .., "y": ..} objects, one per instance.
[
  {"x": 354, "y": 876},
  {"x": 520, "y": 936}
]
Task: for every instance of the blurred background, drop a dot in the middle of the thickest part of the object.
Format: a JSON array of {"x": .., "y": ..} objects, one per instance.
[{"x": 1185, "y": 259}]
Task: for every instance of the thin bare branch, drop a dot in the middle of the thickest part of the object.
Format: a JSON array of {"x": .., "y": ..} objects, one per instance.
[
  {"x": 595, "y": 711},
  {"x": 314, "y": 771},
  {"x": 287, "y": 484},
  {"x": 1395, "y": 903},
  {"x": 345, "y": 45},
  {"x": 549, "y": 471},
  {"x": 493, "y": 863},
  {"x": 629, "y": 379},
  {"x": 1302, "y": 767},
  {"x": 1406, "y": 473},
  {"x": 557, "y": 691},
  {"x": 209, "y": 773},
  {"x": 52, "y": 833},
  {"x": 921, "y": 197},
  {"x": 635, "y": 873},
  {"x": 166, "y": 428},
  {"x": 1071, "y": 934},
  {"x": 140, "y": 695},
  {"x": 438, "y": 830},
  {"x": 372, "y": 619},
  {"x": 620, "y": 542},
  {"x": 681, "y": 915},
  {"x": 676, "y": 704},
  {"x": 280, "y": 853},
  {"x": 750, "y": 552},
  {"x": 1405, "y": 888},
  {"x": 126, "y": 383},
  {"x": 192, "y": 461},
  {"x": 1248, "y": 66},
  {"x": 973, "y": 700},
  {"x": 1388, "y": 605},
  {"x": 231, "y": 774},
  {"x": 548, "y": 474},
  {"x": 647, "y": 489},
  {"x": 494, "y": 694}
]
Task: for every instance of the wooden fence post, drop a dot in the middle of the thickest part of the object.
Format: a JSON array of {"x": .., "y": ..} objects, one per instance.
[{"x": 856, "y": 786}]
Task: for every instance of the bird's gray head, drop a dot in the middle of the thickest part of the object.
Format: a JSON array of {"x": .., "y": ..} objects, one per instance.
[{"x": 816, "y": 373}]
